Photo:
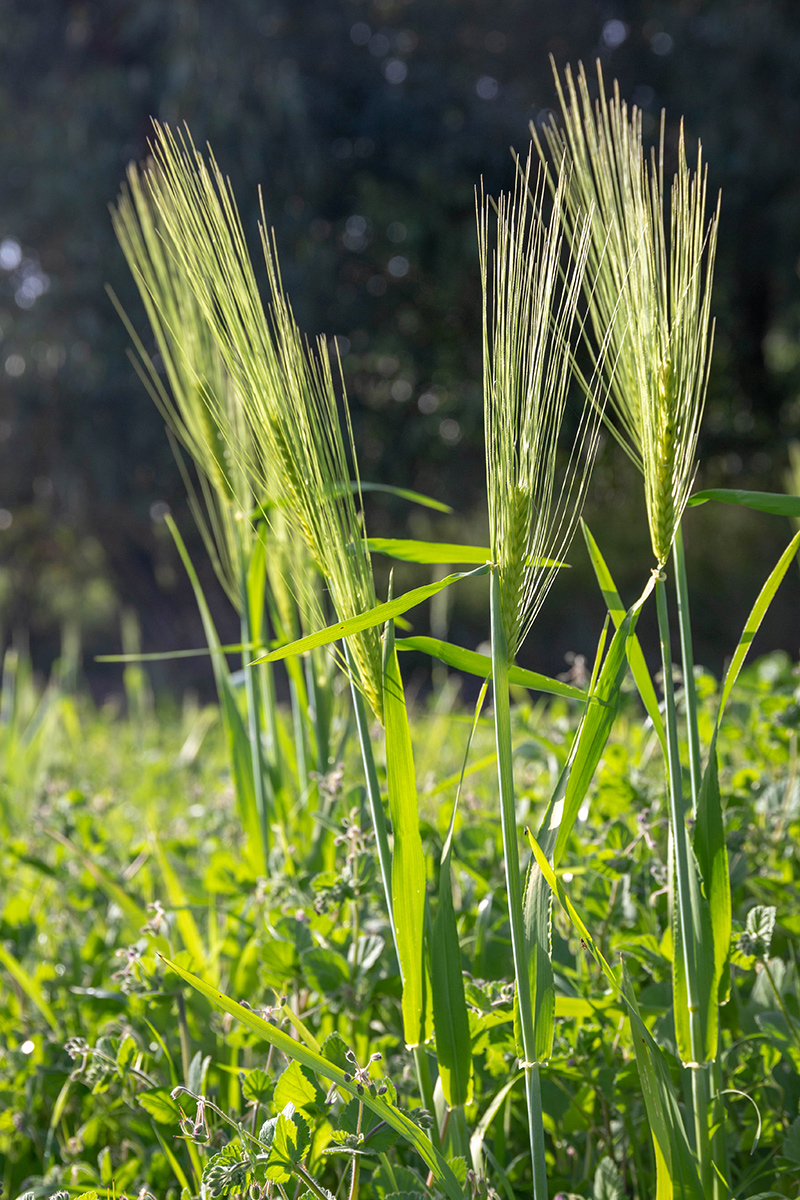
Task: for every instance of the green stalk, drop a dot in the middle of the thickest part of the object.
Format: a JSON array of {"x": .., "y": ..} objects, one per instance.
[
  {"x": 701, "y": 1081},
  {"x": 687, "y": 657},
  {"x": 254, "y": 725},
  {"x": 425, "y": 1085},
  {"x": 508, "y": 816},
  {"x": 700, "y": 1092},
  {"x": 301, "y": 754},
  {"x": 266, "y": 675},
  {"x": 376, "y": 810}
]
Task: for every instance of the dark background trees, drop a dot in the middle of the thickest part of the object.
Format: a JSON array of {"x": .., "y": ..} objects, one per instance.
[{"x": 367, "y": 126}]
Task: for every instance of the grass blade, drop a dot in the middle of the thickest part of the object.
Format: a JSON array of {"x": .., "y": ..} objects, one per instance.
[
  {"x": 404, "y": 494},
  {"x": 712, "y": 858},
  {"x": 179, "y": 901},
  {"x": 428, "y": 552},
  {"x": 29, "y": 986},
  {"x": 274, "y": 1036},
  {"x": 636, "y": 660},
  {"x": 481, "y": 665},
  {"x": 677, "y": 1174},
  {"x": 596, "y": 726},
  {"x": 408, "y": 859},
  {"x": 367, "y": 620},
  {"x": 768, "y": 502},
  {"x": 450, "y": 1017},
  {"x": 440, "y": 553},
  {"x": 755, "y": 618}
]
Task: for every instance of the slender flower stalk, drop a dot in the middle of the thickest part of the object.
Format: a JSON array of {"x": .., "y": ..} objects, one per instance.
[{"x": 529, "y": 313}]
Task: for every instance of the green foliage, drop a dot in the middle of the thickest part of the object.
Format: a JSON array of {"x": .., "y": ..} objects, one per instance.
[{"x": 119, "y": 1016}]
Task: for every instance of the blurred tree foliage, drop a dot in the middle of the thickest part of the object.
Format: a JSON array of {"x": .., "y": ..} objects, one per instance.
[{"x": 367, "y": 125}]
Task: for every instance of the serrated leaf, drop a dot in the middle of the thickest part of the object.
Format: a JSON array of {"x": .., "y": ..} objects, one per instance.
[
  {"x": 287, "y": 1148},
  {"x": 334, "y": 1049},
  {"x": 297, "y": 1086},
  {"x": 607, "y": 1181},
  {"x": 791, "y": 1143},
  {"x": 324, "y": 969},
  {"x": 257, "y": 1087},
  {"x": 160, "y": 1105}
]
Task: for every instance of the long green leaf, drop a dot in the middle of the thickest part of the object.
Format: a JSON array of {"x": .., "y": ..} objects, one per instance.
[
  {"x": 481, "y": 665},
  {"x": 481, "y": 1129},
  {"x": 441, "y": 553},
  {"x": 374, "y": 616},
  {"x": 403, "y": 494},
  {"x": 677, "y": 1173},
  {"x": 636, "y": 660},
  {"x": 450, "y": 1017},
  {"x": 428, "y": 552},
  {"x": 768, "y": 502},
  {"x": 28, "y": 985},
  {"x": 187, "y": 926},
  {"x": 408, "y": 859},
  {"x": 596, "y": 725},
  {"x": 166, "y": 655},
  {"x": 701, "y": 961},
  {"x": 712, "y": 858},
  {"x": 559, "y": 820},
  {"x": 274, "y": 1036},
  {"x": 755, "y": 618}
]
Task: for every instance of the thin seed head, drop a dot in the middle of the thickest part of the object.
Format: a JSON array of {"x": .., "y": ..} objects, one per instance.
[
  {"x": 198, "y": 400},
  {"x": 291, "y": 446},
  {"x": 649, "y": 288},
  {"x": 529, "y": 310}
]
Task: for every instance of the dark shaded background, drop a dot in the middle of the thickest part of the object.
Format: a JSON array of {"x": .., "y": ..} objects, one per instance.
[{"x": 367, "y": 125}]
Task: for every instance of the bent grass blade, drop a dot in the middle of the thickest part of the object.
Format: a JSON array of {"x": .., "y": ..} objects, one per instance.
[
  {"x": 450, "y": 1017},
  {"x": 754, "y": 620},
  {"x": 274, "y": 1036},
  {"x": 676, "y": 1170},
  {"x": 636, "y": 660},
  {"x": 408, "y": 859},
  {"x": 767, "y": 502},
  {"x": 481, "y": 665},
  {"x": 367, "y": 620}
]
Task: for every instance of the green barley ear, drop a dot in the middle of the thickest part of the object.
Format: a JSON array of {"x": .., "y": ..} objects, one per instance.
[
  {"x": 195, "y": 397},
  {"x": 291, "y": 448},
  {"x": 650, "y": 291},
  {"x": 530, "y": 298}
]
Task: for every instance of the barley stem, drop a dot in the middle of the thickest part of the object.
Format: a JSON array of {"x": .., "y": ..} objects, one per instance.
[
  {"x": 683, "y": 892},
  {"x": 254, "y": 707},
  {"x": 687, "y": 656},
  {"x": 502, "y": 724},
  {"x": 374, "y": 799}
]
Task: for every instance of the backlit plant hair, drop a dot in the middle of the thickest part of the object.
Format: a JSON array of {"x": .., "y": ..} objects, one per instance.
[
  {"x": 530, "y": 300},
  {"x": 651, "y": 288},
  {"x": 295, "y": 453}
]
